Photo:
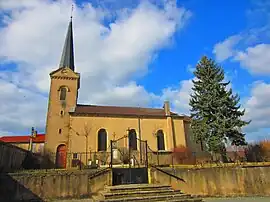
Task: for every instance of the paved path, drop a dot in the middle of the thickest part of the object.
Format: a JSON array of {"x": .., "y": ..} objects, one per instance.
[
  {"x": 74, "y": 200},
  {"x": 240, "y": 199}
]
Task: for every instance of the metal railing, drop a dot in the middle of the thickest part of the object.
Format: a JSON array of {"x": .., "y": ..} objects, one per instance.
[
  {"x": 13, "y": 158},
  {"x": 169, "y": 174}
]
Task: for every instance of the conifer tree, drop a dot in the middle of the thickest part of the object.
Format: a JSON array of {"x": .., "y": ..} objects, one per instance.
[{"x": 215, "y": 110}]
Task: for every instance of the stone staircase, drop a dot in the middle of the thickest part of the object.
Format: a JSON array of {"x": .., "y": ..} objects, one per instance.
[{"x": 143, "y": 193}]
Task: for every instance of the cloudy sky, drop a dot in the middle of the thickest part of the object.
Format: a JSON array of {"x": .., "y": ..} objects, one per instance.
[{"x": 132, "y": 53}]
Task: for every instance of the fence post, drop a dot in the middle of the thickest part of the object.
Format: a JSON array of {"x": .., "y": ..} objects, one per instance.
[
  {"x": 146, "y": 154},
  {"x": 172, "y": 160},
  {"x": 111, "y": 164},
  {"x": 158, "y": 158},
  {"x": 80, "y": 161},
  {"x": 86, "y": 158}
]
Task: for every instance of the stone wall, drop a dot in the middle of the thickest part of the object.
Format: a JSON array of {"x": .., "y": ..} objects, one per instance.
[
  {"x": 248, "y": 181},
  {"x": 52, "y": 184},
  {"x": 13, "y": 158}
]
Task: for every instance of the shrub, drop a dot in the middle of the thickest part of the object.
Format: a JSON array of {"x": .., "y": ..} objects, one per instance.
[
  {"x": 183, "y": 155},
  {"x": 254, "y": 153},
  {"x": 265, "y": 149}
]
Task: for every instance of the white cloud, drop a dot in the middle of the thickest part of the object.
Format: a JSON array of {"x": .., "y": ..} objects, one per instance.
[
  {"x": 190, "y": 68},
  {"x": 108, "y": 56},
  {"x": 225, "y": 49},
  {"x": 258, "y": 111},
  {"x": 179, "y": 96},
  {"x": 258, "y": 106},
  {"x": 256, "y": 59},
  {"x": 248, "y": 47},
  {"x": 128, "y": 95},
  {"x": 20, "y": 108}
]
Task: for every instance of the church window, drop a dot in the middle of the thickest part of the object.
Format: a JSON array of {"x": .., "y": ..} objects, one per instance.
[
  {"x": 60, "y": 131},
  {"x": 132, "y": 139},
  {"x": 63, "y": 93},
  {"x": 160, "y": 140},
  {"x": 62, "y": 113},
  {"x": 102, "y": 140},
  {"x": 75, "y": 155}
]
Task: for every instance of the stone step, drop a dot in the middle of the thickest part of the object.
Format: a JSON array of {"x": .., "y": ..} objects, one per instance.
[
  {"x": 132, "y": 193},
  {"x": 175, "y": 197},
  {"x": 137, "y": 187},
  {"x": 143, "y": 193}
]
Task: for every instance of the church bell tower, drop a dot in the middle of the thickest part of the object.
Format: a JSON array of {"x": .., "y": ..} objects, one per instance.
[{"x": 63, "y": 95}]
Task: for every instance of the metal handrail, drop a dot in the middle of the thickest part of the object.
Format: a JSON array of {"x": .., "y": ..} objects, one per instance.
[
  {"x": 98, "y": 173},
  {"x": 171, "y": 175}
]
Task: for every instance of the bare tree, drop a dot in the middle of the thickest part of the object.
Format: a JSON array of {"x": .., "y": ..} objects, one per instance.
[{"x": 86, "y": 131}]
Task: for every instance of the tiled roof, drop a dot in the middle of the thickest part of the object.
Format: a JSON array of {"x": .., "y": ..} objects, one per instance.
[
  {"x": 116, "y": 110},
  {"x": 40, "y": 138}
]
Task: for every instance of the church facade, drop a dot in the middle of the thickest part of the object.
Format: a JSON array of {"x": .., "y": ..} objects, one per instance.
[{"x": 74, "y": 128}]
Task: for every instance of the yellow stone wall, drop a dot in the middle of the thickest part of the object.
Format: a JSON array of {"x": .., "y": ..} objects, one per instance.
[
  {"x": 116, "y": 127},
  {"x": 55, "y": 120},
  {"x": 37, "y": 147},
  {"x": 226, "y": 181}
]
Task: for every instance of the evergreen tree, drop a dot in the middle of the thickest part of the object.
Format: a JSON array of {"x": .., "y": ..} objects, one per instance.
[{"x": 215, "y": 110}]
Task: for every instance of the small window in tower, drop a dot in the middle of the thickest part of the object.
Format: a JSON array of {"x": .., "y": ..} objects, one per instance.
[
  {"x": 63, "y": 93},
  {"x": 60, "y": 131},
  {"x": 62, "y": 113}
]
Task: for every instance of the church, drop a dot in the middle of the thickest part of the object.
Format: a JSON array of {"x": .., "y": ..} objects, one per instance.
[{"x": 73, "y": 128}]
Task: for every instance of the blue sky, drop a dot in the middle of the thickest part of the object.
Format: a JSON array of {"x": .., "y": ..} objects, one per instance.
[
  {"x": 210, "y": 23},
  {"x": 133, "y": 53}
]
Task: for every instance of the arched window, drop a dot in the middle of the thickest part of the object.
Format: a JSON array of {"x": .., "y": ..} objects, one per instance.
[
  {"x": 102, "y": 140},
  {"x": 63, "y": 93},
  {"x": 132, "y": 139},
  {"x": 160, "y": 140}
]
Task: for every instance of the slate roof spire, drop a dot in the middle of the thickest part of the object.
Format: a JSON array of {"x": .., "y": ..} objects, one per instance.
[{"x": 67, "y": 58}]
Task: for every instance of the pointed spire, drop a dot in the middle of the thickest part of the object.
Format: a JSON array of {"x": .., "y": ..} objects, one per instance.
[{"x": 67, "y": 58}]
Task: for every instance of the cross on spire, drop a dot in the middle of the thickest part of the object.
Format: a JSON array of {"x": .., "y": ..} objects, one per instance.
[{"x": 71, "y": 15}]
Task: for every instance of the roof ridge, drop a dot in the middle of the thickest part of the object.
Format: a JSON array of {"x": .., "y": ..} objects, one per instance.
[
  {"x": 90, "y": 105},
  {"x": 11, "y": 136}
]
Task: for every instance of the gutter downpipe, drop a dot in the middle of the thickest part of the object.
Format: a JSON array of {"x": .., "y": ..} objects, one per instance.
[{"x": 140, "y": 137}]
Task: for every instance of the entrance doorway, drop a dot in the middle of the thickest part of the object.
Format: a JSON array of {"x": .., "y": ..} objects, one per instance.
[
  {"x": 61, "y": 156},
  {"x": 129, "y": 176},
  {"x": 129, "y": 160}
]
